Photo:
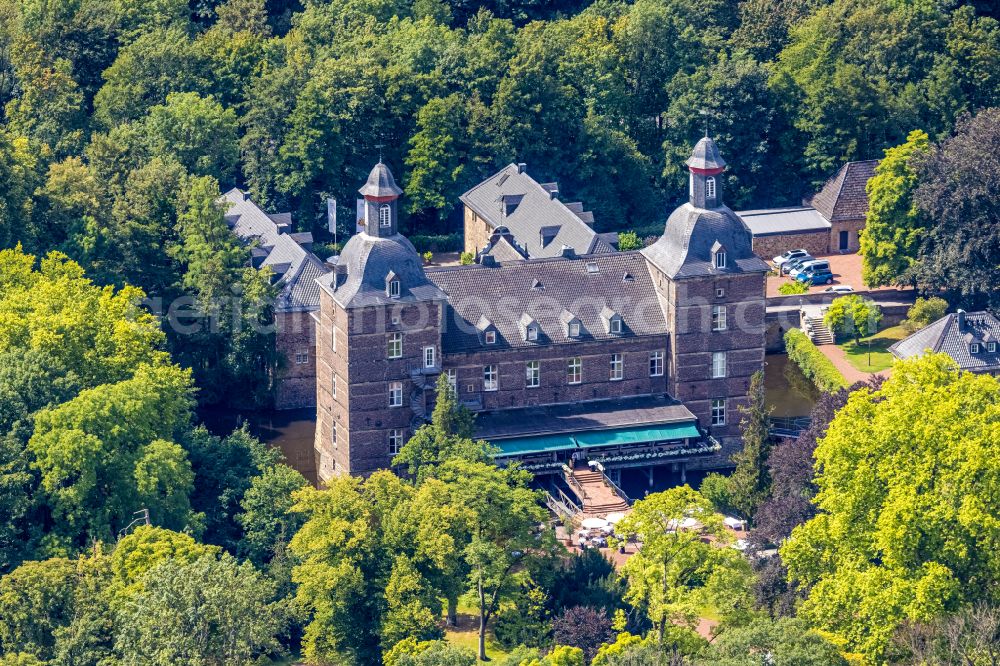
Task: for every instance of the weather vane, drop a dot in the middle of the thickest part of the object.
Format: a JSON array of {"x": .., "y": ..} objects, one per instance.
[
  {"x": 379, "y": 146},
  {"x": 705, "y": 113}
]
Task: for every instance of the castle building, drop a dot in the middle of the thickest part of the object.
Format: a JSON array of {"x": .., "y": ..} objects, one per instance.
[
  {"x": 294, "y": 269},
  {"x": 626, "y": 358}
]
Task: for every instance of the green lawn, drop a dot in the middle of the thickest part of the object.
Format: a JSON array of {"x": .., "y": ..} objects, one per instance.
[
  {"x": 466, "y": 634},
  {"x": 857, "y": 354}
]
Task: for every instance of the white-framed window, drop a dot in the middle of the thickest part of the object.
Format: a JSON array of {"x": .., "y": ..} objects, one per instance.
[
  {"x": 718, "y": 365},
  {"x": 720, "y": 292},
  {"x": 617, "y": 367},
  {"x": 490, "y": 382},
  {"x": 301, "y": 358},
  {"x": 710, "y": 187},
  {"x": 720, "y": 259},
  {"x": 656, "y": 364},
  {"x": 718, "y": 317},
  {"x": 991, "y": 347},
  {"x": 429, "y": 357},
  {"x": 395, "y": 441},
  {"x": 385, "y": 215},
  {"x": 452, "y": 376},
  {"x": 718, "y": 411},
  {"x": 574, "y": 371},
  {"x": 973, "y": 347},
  {"x": 615, "y": 325},
  {"x": 333, "y": 385},
  {"x": 490, "y": 337},
  {"x": 395, "y": 349},
  {"x": 532, "y": 374},
  {"x": 532, "y": 333},
  {"x": 393, "y": 289},
  {"x": 574, "y": 329},
  {"x": 395, "y": 394}
]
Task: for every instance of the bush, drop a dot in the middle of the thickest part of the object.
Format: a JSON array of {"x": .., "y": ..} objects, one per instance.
[
  {"x": 811, "y": 361},
  {"x": 583, "y": 627},
  {"x": 715, "y": 488},
  {"x": 924, "y": 312},
  {"x": 793, "y": 287},
  {"x": 629, "y": 240},
  {"x": 427, "y": 256},
  {"x": 467, "y": 259},
  {"x": 853, "y": 315},
  {"x": 439, "y": 243}
]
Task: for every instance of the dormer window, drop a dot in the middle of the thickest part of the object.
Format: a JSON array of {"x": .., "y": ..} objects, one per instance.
[
  {"x": 612, "y": 321},
  {"x": 991, "y": 347},
  {"x": 529, "y": 328},
  {"x": 710, "y": 187},
  {"x": 532, "y": 333},
  {"x": 385, "y": 215},
  {"x": 973, "y": 347},
  {"x": 392, "y": 286},
  {"x": 490, "y": 337},
  {"x": 718, "y": 255},
  {"x": 574, "y": 329}
]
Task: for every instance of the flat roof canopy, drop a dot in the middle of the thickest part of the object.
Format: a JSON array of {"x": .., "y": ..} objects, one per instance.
[{"x": 664, "y": 432}]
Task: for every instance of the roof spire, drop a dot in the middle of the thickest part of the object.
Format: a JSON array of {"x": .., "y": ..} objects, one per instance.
[{"x": 704, "y": 112}]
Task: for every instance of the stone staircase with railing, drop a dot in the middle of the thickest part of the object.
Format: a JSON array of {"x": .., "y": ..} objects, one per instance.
[{"x": 817, "y": 331}]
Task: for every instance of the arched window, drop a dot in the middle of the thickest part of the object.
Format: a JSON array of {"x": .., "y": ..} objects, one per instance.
[
  {"x": 385, "y": 215},
  {"x": 710, "y": 187}
]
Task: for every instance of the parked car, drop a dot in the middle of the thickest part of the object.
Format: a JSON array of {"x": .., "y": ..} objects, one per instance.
[
  {"x": 816, "y": 275},
  {"x": 840, "y": 289},
  {"x": 789, "y": 255},
  {"x": 809, "y": 266},
  {"x": 790, "y": 266}
]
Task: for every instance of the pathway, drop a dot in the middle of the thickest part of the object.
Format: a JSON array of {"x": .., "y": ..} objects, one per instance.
[
  {"x": 598, "y": 497},
  {"x": 851, "y": 374}
]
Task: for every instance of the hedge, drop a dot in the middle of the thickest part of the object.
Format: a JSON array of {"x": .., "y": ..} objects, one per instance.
[
  {"x": 439, "y": 243},
  {"x": 812, "y": 362}
]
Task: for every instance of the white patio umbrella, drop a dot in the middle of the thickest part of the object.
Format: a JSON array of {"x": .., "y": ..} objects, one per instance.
[
  {"x": 594, "y": 523},
  {"x": 615, "y": 517}
]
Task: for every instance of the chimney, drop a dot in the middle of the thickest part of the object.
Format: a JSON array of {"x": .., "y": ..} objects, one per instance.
[
  {"x": 568, "y": 252},
  {"x": 521, "y": 166},
  {"x": 961, "y": 319},
  {"x": 553, "y": 194}
]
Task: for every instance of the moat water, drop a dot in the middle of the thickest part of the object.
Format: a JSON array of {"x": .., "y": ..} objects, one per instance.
[{"x": 289, "y": 430}]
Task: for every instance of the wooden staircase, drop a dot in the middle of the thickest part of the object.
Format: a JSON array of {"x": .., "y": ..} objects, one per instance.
[{"x": 597, "y": 496}]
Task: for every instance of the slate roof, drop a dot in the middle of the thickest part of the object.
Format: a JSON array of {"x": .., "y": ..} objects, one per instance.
[
  {"x": 529, "y": 208},
  {"x": 502, "y": 250},
  {"x": 944, "y": 336},
  {"x": 380, "y": 183},
  {"x": 581, "y": 416},
  {"x": 775, "y": 221},
  {"x": 706, "y": 155},
  {"x": 296, "y": 268},
  {"x": 844, "y": 197},
  {"x": 685, "y": 248},
  {"x": 359, "y": 279},
  {"x": 544, "y": 288}
]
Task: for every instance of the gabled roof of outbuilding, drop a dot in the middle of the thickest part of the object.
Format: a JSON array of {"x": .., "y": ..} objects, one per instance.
[
  {"x": 944, "y": 336},
  {"x": 296, "y": 268},
  {"x": 844, "y": 196},
  {"x": 685, "y": 248},
  {"x": 504, "y": 294},
  {"x": 535, "y": 210}
]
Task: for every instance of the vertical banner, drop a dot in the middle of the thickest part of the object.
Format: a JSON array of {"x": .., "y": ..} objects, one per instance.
[{"x": 331, "y": 217}]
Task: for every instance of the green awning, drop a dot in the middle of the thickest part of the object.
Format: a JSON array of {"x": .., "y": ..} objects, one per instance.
[
  {"x": 519, "y": 446},
  {"x": 663, "y": 432}
]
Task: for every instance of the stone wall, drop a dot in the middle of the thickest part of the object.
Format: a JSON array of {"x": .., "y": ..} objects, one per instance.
[
  {"x": 815, "y": 242},
  {"x": 477, "y": 231}
]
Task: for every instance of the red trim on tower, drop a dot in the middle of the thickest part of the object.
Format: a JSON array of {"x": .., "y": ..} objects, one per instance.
[
  {"x": 707, "y": 172},
  {"x": 381, "y": 199}
]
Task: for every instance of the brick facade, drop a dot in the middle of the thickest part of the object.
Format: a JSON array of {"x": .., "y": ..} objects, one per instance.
[{"x": 295, "y": 342}]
